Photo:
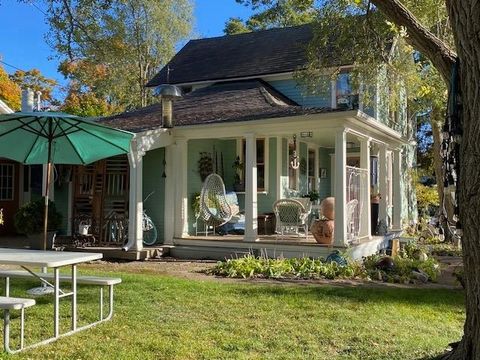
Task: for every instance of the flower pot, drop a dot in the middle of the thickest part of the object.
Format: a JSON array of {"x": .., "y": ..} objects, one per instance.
[
  {"x": 36, "y": 240},
  {"x": 322, "y": 231}
]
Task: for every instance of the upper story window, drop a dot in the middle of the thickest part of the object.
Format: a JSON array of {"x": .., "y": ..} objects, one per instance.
[{"x": 347, "y": 97}]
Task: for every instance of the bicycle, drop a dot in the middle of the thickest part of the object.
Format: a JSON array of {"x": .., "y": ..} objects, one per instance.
[{"x": 150, "y": 233}]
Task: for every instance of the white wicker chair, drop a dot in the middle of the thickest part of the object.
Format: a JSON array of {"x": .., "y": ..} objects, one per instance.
[
  {"x": 351, "y": 207},
  {"x": 290, "y": 216},
  {"x": 214, "y": 207}
]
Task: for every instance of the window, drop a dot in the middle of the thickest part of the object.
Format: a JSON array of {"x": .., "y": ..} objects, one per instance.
[
  {"x": 347, "y": 98},
  {"x": 292, "y": 173},
  {"x": 261, "y": 163},
  {"x": 6, "y": 181}
]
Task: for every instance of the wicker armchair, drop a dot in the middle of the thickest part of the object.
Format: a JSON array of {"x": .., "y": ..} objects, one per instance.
[{"x": 291, "y": 215}]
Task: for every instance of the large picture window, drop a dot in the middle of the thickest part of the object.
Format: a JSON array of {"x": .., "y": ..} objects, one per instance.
[
  {"x": 261, "y": 163},
  {"x": 7, "y": 174}
]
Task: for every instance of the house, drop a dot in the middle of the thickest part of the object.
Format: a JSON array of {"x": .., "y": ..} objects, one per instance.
[
  {"x": 18, "y": 183},
  {"x": 243, "y": 104}
]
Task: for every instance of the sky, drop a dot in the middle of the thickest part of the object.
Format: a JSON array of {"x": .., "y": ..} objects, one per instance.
[{"x": 23, "y": 29}]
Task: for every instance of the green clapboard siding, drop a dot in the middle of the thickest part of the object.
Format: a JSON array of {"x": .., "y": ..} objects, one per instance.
[
  {"x": 303, "y": 184},
  {"x": 154, "y": 182}
]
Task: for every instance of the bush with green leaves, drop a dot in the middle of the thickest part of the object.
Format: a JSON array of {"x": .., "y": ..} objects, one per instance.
[
  {"x": 301, "y": 268},
  {"x": 29, "y": 219},
  {"x": 402, "y": 269}
]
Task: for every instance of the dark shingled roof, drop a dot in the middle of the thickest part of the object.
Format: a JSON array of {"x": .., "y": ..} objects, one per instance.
[
  {"x": 222, "y": 102},
  {"x": 237, "y": 56}
]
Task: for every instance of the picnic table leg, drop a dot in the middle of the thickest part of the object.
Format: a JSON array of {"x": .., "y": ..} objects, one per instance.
[
  {"x": 56, "y": 304},
  {"x": 74, "y": 297}
]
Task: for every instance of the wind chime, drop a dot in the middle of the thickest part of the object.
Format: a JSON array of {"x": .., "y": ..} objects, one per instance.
[{"x": 452, "y": 138}]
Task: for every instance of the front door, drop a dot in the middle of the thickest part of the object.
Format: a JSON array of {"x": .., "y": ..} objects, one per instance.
[{"x": 9, "y": 194}]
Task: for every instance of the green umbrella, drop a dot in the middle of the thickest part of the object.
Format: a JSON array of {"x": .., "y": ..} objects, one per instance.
[{"x": 49, "y": 137}]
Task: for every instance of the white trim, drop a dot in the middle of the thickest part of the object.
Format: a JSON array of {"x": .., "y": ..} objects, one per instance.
[
  {"x": 266, "y": 160},
  {"x": 169, "y": 198},
  {"x": 279, "y": 182},
  {"x": 4, "y": 109},
  {"x": 340, "y": 233},
  {"x": 251, "y": 211},
  {"x": 366, "y": 222},
  {"x": 397, "y": 190},
  {"x": 181, "y": 188}
]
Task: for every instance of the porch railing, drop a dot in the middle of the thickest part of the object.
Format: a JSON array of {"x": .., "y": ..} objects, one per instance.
[{"x": 356, "y": 202}]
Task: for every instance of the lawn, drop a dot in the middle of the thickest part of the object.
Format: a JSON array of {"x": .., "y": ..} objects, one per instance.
[{"x": 166, "y": 317}]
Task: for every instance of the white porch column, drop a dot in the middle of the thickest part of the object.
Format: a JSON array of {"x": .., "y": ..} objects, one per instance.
[
  {"x": 340, "y": 233},
  {"x": 181, "y": 196},
  {"x": 382, "y": 183},
  {"x": 366, "y": 215},
  {"x": 135, "y": 206},
  {"x": 251, "y": 226},
  {"x": 279, "y": 194},
  {"x": 397, "y": 189},
  {"x": 170, "y": 185}
]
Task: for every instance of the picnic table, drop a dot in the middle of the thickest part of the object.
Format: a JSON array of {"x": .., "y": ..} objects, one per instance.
[{"x": 26, "y": 259}]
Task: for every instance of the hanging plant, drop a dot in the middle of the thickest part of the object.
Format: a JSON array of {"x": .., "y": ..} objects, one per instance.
[{"x": 205, "y": 165}]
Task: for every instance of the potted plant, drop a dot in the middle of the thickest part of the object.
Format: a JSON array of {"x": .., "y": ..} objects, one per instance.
[
  {"x": 237, "y": 180},
  {"x": 29, "y": 220}
]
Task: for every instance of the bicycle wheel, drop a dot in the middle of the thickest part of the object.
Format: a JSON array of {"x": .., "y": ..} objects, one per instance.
[{"x": 150, "y": 233}]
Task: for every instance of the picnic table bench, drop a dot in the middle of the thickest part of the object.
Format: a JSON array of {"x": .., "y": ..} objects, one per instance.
[{"x": 11, "y": 303}]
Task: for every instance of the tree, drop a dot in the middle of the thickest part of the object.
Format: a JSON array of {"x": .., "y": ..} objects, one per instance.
[
  {"x": 273, "y": 13},
  {"x": 9, "y": 90},
  {"x": 463, "y": 16},
  {"x": 34, "y": 80},
  {"x": 111, "y": 48}
]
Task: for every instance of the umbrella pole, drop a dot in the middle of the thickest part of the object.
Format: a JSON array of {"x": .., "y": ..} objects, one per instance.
[{"x": 47, "y": 190}]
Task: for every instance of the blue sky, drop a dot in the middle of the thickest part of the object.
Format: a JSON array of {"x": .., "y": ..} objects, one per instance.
[{"x": 23, "y": 29}]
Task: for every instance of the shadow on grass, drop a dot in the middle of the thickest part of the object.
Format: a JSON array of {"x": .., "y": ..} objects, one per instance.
[{"x": 360, "y": 294}]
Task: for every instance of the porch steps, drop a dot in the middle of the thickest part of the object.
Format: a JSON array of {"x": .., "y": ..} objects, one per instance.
[{"x": 115, "y": 253}]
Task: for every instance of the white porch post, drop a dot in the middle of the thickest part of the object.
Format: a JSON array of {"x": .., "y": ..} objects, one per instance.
[
  {"x": 251, "y": 226},
  {"x": 397, "y": 189},
  {"x": 170, "y": 185},
  {"x": 366, "y": 215},
  {"x": 181, "y": 201},
  {"x": 279, "y": 194},
  {"x": 340, "y": 233},
  {"x": 382, "y": 183},
  {"x": 135, "y": 207}
]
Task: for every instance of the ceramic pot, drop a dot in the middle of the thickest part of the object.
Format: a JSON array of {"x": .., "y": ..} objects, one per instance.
[
  {"x": 322, "y": 231},
  {"x": 328, "y": 208}
]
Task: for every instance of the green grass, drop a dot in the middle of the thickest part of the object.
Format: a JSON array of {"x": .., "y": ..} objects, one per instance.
[{"x": 163, "y": 317}]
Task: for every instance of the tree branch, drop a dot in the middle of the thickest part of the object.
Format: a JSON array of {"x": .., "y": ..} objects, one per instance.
[{"x": 419, "y": 36}]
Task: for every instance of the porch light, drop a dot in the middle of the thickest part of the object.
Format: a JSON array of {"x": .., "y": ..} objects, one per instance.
[
  {"x": 294, "y": 162},
  {"x": 167, "y": 94}
]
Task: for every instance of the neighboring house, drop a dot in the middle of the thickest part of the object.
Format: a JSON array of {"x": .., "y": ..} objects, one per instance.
[
  {"x": 242, "y": 100},
  {"x": 18, "y": 184}
]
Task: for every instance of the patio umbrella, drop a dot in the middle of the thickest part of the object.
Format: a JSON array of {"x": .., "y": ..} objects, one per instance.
[{"x": 49, "y": 137}]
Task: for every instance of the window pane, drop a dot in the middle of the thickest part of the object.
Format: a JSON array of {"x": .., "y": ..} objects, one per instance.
[
  {"x": 261, "y": 177},
  {"x": 311, "y": 163}
]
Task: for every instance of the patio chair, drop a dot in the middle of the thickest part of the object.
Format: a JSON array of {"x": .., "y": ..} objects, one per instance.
[
  {"x": 291, "y": 215},
  {"x": 351, "y": 208},
  {"x": 215, "y": 209}
]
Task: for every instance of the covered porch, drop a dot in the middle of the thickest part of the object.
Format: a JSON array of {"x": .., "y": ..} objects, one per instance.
[{"x": 345, "y": 155}]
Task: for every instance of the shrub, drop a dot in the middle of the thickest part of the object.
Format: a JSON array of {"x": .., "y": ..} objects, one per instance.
[
  {"x": 29, "y": 219},
  {"x": 302, "y": 268}
]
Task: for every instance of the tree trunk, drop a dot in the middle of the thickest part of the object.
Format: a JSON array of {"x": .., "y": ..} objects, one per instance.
[{"x": 464, "y": 17}]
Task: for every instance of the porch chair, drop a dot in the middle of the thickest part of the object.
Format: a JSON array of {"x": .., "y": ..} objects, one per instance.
[
  {"x": 351, "y": 207},
  {"x": 214, "y": 207},
  {"x": 290, "y": 215}
]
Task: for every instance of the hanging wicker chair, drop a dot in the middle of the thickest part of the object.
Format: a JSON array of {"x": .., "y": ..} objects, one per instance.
[{"x": 214, "y": 207}]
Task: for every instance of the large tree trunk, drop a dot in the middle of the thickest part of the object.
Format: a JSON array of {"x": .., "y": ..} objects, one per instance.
[{"x": 465, "y": 20}]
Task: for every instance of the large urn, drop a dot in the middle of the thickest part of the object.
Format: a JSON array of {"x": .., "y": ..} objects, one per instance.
[
  {"x": 322, "y": 231},
  {"x": 327, "y": 208}
]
